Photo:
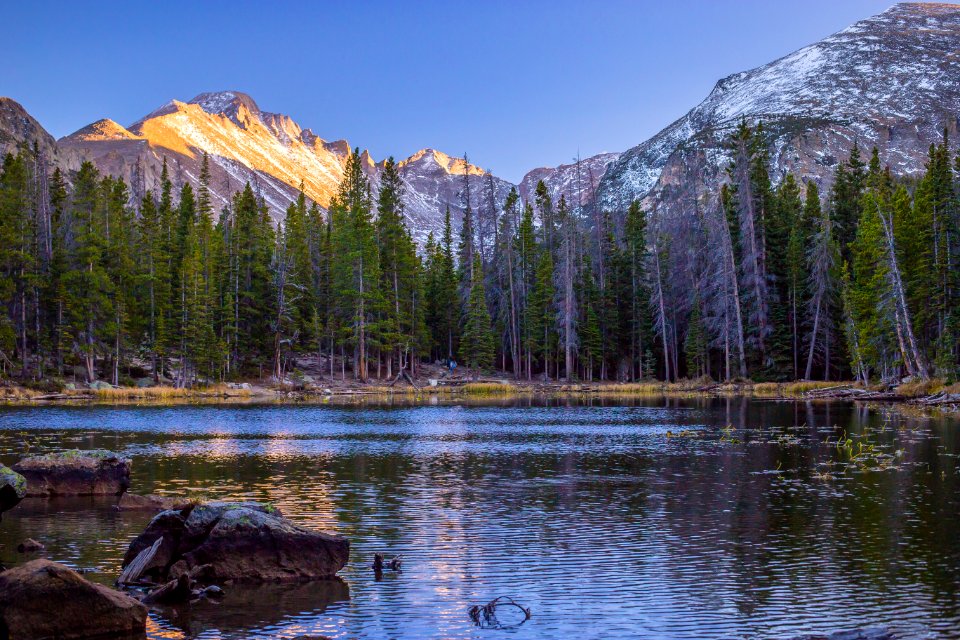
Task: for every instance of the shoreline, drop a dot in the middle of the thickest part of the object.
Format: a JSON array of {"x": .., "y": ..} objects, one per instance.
[{"x": 928, "y": 395}]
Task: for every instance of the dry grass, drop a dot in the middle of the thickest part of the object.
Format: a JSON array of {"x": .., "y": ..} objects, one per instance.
[
  {"x": 634, "y": 388},
  {"x": 15, "y": 394},
  {"x": 953, "y": 388},
  {"x": 919, "y": 388},
  {"x": 155, "y": 393},
  {"x": 490, "y": 389},
  {"x": 790, "y": 389},
  {"x": 167, "y": 393}
]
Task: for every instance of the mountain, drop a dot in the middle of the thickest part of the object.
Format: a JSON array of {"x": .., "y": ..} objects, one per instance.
[
  {"x": 274, "y": 153},
  {"x": 892, "y": 80},
  {"x": 17, "y": 128},
  {"x": 569, "y": 179},
  {"x": 244, "y": 144}
]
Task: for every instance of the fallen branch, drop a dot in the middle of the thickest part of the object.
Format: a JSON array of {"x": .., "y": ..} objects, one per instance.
[
  {"x": 131, "y": 575},
  {"x": 485, "y": 616}
]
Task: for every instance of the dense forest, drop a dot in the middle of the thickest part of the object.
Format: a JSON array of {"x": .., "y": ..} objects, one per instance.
[{"x": 765, "y": 279}]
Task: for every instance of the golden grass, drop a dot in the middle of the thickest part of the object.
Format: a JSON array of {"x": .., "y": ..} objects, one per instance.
[
  {"x": 157, "y": 393},
  {"x": 790, "y": 389},
  {"x": 18, "y": 393},
  {"x": 634, "y": 388},
  {"x": 490, "y": 389},
  {"x": 167, "y": 393},
  {"x": 919, "y": 388}
]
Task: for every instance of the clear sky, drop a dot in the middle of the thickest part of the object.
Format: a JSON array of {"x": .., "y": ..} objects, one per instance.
[{"x": 515, "y": 84}]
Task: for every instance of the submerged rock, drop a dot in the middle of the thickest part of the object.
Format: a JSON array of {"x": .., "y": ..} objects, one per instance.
[
  {"x": 13, "y": 488},
  {"x": 30, "y": 546},
  {"x": 43, "y": 599},
  {"x": 134, "y": 502},
  {"x": 75, "y": 473},
  {"x": 242, "y": 541}
]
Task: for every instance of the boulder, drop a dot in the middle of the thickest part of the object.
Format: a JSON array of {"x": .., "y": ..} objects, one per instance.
[
  {"x": 43, "y": 599},
  {"x": 239, "y": 541},
  {"x": 13, "y": 488},
  {"x": 134, "y": 502},
  {"x": 75, "y": 473}
]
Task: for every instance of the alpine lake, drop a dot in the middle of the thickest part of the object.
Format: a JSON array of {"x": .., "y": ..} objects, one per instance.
[{"x": 609, "y": 518}]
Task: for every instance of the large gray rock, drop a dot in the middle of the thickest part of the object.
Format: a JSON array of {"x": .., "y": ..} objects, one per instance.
[
  {"x": 45, "y": 600},
  {"x": 75, "y": 473},
  {"x": 238, "y": 541},
  {"x": 13, "y": 488}
]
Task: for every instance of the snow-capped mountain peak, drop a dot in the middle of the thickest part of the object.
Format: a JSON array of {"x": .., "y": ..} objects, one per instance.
[{"x": 891, "y": 80}]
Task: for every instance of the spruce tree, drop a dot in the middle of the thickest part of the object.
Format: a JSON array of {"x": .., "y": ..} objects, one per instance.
[{"x": 477, "y": 341}]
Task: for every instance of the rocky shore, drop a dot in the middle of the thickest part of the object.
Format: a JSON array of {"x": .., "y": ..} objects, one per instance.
[{"x": 189, "y": 551}]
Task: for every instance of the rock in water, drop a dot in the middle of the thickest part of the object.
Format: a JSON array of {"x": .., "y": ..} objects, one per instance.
[
  {"x": 13, "y": 488},
  {"x": 43, "y": 599},
  {"x": 75, "y": 473},
  {"x": 30, "y": 546},
  {"x": 243, "y": 541}
]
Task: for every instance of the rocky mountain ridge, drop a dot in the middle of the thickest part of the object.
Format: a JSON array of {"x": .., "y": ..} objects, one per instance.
[
  {"x": 892, "y": 80},
  {"x": 275, "y": 155}
]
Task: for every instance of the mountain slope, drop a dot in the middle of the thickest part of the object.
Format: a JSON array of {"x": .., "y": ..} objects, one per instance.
[
  {"x": 892, "y": 80},
  {"x": 18, "y": 128},
  {"x": 274, "y": 153},
  {"x": 569, "y": 179}
]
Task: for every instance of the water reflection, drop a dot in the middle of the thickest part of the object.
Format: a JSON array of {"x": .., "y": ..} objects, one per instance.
[{"x": 656, "y": 518}]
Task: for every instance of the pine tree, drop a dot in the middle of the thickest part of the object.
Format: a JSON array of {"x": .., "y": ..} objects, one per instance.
[
  {"x": 399, "y": 272},
  {"x": 355, "y": 265},
  {"x": 635, "y": 252},
  {"x": 477, "y": 341},
  {"x": 89, "y": 311},
  {"x": 541, "y": 315},
  {"x": 525, "y": 247},
  {"x": 695, "y": 343}
]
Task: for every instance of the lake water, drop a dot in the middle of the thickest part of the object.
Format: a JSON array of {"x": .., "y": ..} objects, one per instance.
[{"x": 710, "y": 518}]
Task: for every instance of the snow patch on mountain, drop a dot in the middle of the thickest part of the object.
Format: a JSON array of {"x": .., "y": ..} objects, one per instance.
[{"x": 891, "y": 80}]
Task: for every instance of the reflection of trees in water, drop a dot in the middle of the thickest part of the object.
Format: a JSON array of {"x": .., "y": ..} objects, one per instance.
[{"x": 585, "y": 496}]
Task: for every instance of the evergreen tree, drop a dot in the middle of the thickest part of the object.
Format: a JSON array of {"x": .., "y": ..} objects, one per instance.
[
  {"x": 355, "y": 268},
  {"x": 399, "y": 272},
  {"x": 477, "y": 341}
]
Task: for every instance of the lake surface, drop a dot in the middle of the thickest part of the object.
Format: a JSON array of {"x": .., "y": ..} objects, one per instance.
[{"x": 710, "y": 518}]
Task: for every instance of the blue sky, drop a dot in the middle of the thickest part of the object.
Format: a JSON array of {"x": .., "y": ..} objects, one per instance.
[{"x": 516, "y": 85}]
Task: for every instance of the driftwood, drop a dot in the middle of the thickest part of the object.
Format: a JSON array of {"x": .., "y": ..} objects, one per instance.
[
  {"x": 848, "y": 392},
  {"x": 131, "y": 574},
  {"x": 940, "y": 399},
  {"x": 172, "y": 592},
  {"x": 485, "y": 616},
  {"x": 406, "y": 376}
]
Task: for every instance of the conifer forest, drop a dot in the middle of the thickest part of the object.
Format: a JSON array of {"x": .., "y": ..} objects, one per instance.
[{"x": 765, "y": 279}]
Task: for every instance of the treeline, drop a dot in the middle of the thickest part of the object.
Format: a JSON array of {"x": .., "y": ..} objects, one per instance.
[{"x": 760, "y": 281}]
